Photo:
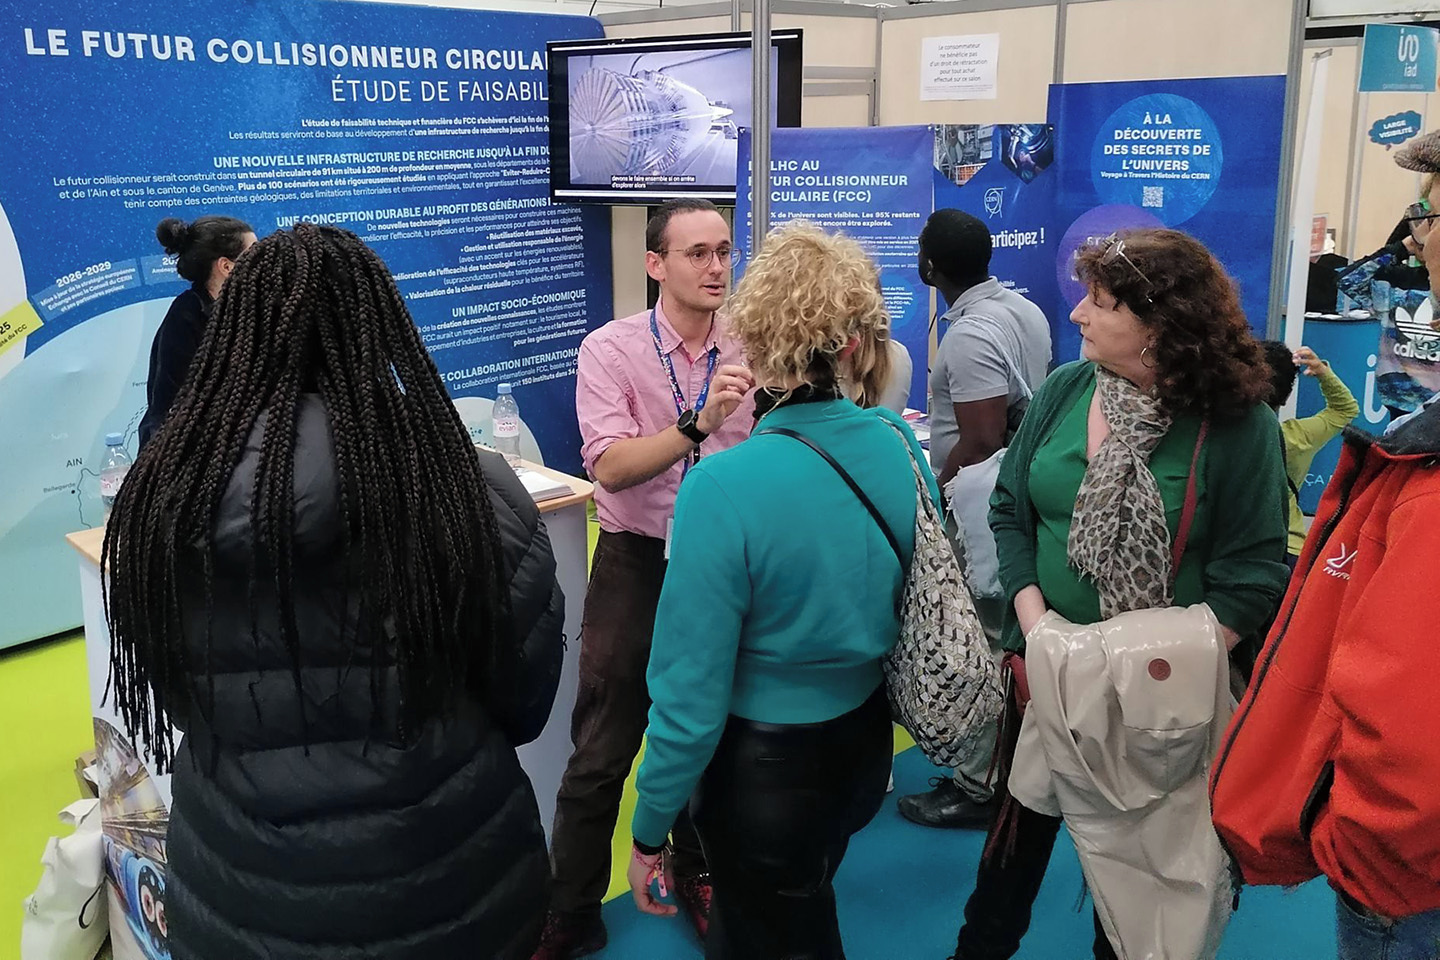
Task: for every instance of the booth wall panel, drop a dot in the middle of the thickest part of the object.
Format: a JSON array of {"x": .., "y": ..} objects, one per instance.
[
  {"x": 627, "y": 242},
  {"x": 1027, "y": 56},
  {"x": 1109, "y": 40},
  {"x": 830, "y": 41},
  {"x": 1338, "y": 116},
  {"x": 669, "y": 28},
  {"x": 837, "y": 111},
  {"x": 1384, "y": 189}
]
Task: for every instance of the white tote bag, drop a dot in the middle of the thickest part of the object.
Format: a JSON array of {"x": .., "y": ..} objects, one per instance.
[
  {"x": 66, "y": 918},
  {"x": 968, "y": 493}
]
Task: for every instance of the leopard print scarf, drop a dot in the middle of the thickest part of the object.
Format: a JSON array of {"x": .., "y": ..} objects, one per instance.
[{"x": 1118, "y": 537}]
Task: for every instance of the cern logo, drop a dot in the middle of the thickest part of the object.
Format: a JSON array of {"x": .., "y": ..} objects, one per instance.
[{"x": 994, "y": 201}]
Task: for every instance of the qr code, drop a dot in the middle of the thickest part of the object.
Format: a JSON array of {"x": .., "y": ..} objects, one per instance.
[{"x": 1154, "y": 197}]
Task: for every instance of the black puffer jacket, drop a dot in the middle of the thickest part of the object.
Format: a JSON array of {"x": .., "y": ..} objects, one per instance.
[{"x": 428, "y": 850}]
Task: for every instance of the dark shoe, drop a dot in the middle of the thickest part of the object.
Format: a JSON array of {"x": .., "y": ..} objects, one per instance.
[
  {"x": 947, "y": 806},
  {"x": 695, "y": 894},
  {"x": 568, "y": 936}
]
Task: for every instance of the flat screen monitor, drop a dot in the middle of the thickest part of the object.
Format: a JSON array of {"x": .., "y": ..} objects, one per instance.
[{"x": 647, "y": 120}]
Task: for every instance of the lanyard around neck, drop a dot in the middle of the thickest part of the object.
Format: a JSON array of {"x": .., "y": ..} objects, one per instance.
[{"x": 669, "y": 365}]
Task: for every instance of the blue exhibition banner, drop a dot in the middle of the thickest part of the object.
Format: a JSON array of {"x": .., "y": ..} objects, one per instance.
[
  {"x": 871, "y": 183},
  {"x": 1398, "y": 59},
  {"x": 1002, "y": 175},
  {"x": 1202, "y": 156},
  {"x": 423, "y": 130},
  {"x": 1351, "y": 347}
]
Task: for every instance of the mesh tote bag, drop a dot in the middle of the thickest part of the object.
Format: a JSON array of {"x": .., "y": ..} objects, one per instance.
[{"x": 942, "y": 680}]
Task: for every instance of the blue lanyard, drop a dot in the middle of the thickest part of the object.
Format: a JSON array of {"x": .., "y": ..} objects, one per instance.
[
  {"x": 678, "y": 394},
  {"x": 669, "y": 365}
]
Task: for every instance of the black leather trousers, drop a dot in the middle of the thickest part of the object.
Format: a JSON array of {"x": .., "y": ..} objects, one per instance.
[{"x": 775, "y": 812}]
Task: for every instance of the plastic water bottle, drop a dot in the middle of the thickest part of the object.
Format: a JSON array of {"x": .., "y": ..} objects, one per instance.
[
  {"x": 505, "y": 425},
  {"x": 113, "y": 469}
]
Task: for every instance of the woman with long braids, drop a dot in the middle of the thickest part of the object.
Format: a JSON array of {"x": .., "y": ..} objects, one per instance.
[{"x": 353, "y": 619}]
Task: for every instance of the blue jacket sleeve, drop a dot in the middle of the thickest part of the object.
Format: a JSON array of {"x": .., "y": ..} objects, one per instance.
[{"x": 692, "y": 657}]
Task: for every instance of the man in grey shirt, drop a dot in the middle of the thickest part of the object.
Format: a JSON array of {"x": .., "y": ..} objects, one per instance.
[{"x": 994, "y": 355}]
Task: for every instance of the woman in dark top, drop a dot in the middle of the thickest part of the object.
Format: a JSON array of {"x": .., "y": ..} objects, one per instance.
[
  {"x": 1090, "y": 497},
  {"x": 207, "y": 250},
  {"x": 353, "y": 619}
]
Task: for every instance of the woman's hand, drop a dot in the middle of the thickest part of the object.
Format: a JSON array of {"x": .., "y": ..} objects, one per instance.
[
  {"x": 1309, "y": 364},
  {"x": 645, "y": 867},
  {"x": 1029, "y": 608}
]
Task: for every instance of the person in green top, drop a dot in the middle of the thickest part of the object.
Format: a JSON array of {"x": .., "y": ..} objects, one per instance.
[
  {"x": 1092, "y": 497},
  {"x": 1305, "y": 436},
  {"x": 779, "y": 605}
]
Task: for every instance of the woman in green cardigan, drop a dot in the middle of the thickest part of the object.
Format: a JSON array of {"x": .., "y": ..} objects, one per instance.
[{"x": 1092, "y": 492}]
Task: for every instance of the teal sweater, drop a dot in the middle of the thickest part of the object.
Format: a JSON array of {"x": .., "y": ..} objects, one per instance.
[
  {"x": 779, "y": 601},
  {"x": 1235, "y": 558}
]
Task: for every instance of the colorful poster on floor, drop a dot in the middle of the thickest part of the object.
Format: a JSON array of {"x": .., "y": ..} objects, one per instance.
[
  {"x": 1202, "y": 156},
  {"x": 1003, "y": 174},
  {"x": 871, "y": 183},
  {"x": 423, "y": 130}
]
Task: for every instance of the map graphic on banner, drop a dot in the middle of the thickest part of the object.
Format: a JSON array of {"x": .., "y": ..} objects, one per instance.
[
  {"x": 871, "y": 183},
  {"x": 1201, "y": 156},
  {"x": 1001, "y": 174},
  {"x": 422, "y": 130}
]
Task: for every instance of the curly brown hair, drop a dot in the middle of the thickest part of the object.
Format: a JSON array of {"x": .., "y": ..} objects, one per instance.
[{"x": 1207, "y": 362}]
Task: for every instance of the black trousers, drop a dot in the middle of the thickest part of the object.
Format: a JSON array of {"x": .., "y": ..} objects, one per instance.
[
  {"x": 998, "y": 912},
  {"x": 775, "y": 811},
  {"x": 611, "y": 711}
]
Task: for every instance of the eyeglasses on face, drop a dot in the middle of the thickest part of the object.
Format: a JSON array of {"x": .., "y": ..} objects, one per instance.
[
  {"x": 701, "y": 257},
  {"x": 1420, "y": 218}
]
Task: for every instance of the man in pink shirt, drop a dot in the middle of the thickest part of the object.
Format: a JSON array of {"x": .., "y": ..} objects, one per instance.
[{"x": 655, "y": 392}]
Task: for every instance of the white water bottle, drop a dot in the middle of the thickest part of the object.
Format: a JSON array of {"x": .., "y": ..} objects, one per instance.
[
  {"x": 112, "y": 470},
  {"x": 505, "y": 425}
]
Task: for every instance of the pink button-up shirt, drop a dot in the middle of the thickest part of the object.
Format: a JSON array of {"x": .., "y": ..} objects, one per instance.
[{"x": 623, "y": 392}]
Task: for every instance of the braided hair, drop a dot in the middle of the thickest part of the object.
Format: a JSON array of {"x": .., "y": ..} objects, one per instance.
[{"x": 309, "y": 310}]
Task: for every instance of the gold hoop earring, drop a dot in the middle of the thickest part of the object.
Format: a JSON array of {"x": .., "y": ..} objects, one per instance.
[{"x": 1144, "y": 350}]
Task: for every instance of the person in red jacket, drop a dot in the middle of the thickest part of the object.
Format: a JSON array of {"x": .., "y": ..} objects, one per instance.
[{"x": 1330, "y": 763}]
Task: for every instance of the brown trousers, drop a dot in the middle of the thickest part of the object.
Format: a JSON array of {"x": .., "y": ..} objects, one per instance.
[{"x": 611, "y": 712}]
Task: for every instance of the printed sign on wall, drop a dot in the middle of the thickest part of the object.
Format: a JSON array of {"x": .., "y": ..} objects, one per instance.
[{"x": 960, "y": 68}]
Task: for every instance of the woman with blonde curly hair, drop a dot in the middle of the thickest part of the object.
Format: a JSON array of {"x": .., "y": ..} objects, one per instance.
[{"x": 779, "y": 603}]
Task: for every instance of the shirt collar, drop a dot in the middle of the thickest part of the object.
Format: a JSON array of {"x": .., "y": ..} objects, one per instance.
[
  {"x": 981, "y": 291},
  {"x": 670, "y": 340}
]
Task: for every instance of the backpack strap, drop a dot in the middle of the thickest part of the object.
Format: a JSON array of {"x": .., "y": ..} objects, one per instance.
[
  {"x": 849, "y": 482},
  {"x": 1187, "y": 514}
]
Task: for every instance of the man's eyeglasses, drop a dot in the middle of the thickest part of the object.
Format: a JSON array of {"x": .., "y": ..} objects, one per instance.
[
  {"x": 701, "y": 257},
  {"x": 1421, "y": 219}
]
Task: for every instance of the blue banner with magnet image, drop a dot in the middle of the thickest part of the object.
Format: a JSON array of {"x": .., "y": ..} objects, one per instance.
[{"x": 1009, "y": 185}]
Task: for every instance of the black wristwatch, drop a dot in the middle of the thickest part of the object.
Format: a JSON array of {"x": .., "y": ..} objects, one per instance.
[{"x": 688, "y": 424}]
